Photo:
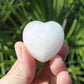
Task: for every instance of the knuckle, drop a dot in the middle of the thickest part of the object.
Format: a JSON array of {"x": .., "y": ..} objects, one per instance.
[{"x": 18, "y": 72}]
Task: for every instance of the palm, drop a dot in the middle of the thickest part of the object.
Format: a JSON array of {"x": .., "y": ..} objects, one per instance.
[{"x": 45, "y": 75}]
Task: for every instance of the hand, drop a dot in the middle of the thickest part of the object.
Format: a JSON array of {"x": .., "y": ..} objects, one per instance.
[{"x": 23, "y": 71}]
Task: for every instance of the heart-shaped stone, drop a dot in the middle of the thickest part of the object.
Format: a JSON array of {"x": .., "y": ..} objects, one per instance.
[{"x": 43, "y": 40}]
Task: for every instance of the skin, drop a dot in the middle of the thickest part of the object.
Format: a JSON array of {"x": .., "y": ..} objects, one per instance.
[{"x": 23, "y": 71}]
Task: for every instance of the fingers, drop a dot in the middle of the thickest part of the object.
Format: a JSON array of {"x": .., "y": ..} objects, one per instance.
[
  {"x": 57, "y": 65},
  {"x": 23, "y": 70},
  {"x": 58, "y": 68},
  {"x": 64, "y": 51},
  {"x": 64, "y": 78}
]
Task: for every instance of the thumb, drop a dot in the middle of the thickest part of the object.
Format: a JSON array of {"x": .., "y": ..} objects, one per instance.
[{"x": 23, "y": 70}]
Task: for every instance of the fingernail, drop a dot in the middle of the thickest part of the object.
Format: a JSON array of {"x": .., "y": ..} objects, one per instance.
[
  {"x": 18, "y": 50},
  {"x": 45, "y": 83}
]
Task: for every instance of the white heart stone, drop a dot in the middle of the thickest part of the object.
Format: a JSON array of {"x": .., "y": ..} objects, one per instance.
[{"x": 43, "y": 40}]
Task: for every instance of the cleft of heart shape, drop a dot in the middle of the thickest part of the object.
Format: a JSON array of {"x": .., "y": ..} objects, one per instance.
[{"x": 43, "y": 40}]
